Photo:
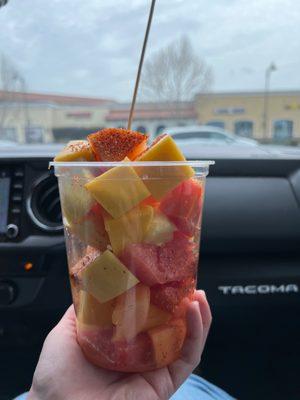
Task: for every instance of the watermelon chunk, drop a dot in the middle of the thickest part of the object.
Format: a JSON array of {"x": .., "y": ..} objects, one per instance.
[
  {"x": 169, "y": 296},
  {"x": 183, "y": 206},
  {"x": 152, "y": 265},
  {"x": 100, "y": 349}
]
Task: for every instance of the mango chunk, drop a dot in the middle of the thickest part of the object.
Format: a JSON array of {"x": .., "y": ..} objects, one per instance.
[
  {"x": 131, "y": 311},
  {"x": 76, "y": 150},
  {"x": 91, "y": 312},
  {"x": 106, "y": 277},
  {"x": 118, "y": 190},
  {"x": 76, "y": 201},
  {"x": 130, "y": 228},
  {"x": 160, "y": 230},
  {"x": 160, "y": 180}
]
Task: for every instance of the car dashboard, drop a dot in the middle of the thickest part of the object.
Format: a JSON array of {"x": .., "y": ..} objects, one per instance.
[{"x": 249, "y": 268}]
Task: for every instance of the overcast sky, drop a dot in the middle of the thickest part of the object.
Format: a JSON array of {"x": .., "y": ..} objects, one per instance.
[{"x": 91, "y": 47}]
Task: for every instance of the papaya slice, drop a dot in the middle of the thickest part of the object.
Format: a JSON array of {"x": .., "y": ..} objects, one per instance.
[{"x": 114, "y": 144}]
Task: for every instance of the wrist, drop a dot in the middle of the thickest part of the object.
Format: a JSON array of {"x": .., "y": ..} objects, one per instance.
[
  {"x": 32, "y": 395},
  {"x": 42, "y": 392}
]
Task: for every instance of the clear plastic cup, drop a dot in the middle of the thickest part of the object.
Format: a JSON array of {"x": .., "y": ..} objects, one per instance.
[{"x": 132, "y": 234}]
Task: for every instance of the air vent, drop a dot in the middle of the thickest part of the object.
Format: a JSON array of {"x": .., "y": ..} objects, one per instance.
[{"x": 44, "y": 205}]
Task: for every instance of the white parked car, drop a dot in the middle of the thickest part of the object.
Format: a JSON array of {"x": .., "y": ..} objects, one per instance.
[{"x": 204, "y": 134}]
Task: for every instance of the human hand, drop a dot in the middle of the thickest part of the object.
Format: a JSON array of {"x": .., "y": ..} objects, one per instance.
[{"x": 64, "y": 373}]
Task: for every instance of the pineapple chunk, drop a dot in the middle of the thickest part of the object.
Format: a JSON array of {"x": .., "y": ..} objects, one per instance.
[
  {"x": 106, "y": 277},
  {"x": 118, "y": 190},
  {"x": 91, "y": 312},
  {"x": 130, "y": 228},
  {"x": 163, "y": 179},
  {"x": 160, "y": 230},
  {"x": 76, "y": 150}
]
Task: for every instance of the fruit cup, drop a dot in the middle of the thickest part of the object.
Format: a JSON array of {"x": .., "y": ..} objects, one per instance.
[{"x": 132, "y": 234}]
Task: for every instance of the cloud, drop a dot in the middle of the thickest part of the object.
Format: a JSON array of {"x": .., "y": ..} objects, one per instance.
[{"x": 92, "y": 47}]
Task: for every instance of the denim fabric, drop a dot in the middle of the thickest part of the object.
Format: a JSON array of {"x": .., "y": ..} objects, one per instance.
[{"x": 195, "y": 388}]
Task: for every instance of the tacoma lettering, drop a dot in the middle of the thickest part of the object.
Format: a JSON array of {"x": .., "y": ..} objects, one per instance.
[{"x": 259, "y": 289}]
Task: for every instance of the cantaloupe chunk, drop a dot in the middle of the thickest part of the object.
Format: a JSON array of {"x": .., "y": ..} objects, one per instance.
[
  {"x": 167, "y": 341},
  {"x": 91, "y": 312},
  {"x": 131, "y": 312},
  {"x": 114, "y": 144},
  {"x": 160, "y": 180},
  {"x": 76, "y": 150},
  {"x": 118, "y": 190},
  {"x": 106, "y": 277},
  {"x": 130, "y": 228}
]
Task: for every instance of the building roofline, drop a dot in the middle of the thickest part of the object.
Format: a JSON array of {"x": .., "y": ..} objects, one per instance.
[
  {"x": 294, "y": 92},
  {"x": 54, "y": 97}
]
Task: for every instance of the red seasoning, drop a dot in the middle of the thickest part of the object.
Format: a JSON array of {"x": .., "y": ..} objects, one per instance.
[{"x": 114, "y": 144}]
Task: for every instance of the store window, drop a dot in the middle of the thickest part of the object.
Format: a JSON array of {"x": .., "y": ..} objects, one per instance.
[
  {"x": 243, "y": 128},
  {"x": 8, "y": 133},
  {"x": 34, "y": 134},
  {"x": 216, "y": 124},
  {"x": 282, "y": 130}
]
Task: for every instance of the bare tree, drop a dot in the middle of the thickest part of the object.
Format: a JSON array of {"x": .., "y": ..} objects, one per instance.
[
  {"x": 175, "y": 73},
  {"x": 11, "y": 82}
]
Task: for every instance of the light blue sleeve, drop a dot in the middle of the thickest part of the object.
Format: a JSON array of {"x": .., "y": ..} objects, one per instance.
[
  {"x": 195, "y": 388},
  {"x": 22, "y": 396}
]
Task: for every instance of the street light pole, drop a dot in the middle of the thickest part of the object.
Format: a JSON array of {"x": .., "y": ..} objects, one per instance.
[{"x": 272, "y": 67}]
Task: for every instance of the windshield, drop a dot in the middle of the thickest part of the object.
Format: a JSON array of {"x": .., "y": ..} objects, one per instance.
[{"x": 67, "y": 68}]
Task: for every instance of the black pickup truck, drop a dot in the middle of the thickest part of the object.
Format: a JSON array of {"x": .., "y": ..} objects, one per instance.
[{"x": 249, "y": 267}]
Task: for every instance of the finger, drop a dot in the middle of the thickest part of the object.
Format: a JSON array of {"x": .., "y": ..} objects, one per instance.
[
  {"x": 200, "y": 296},
  {"x": 192, "y": 348},
  {"x": 67, "y": 322}
]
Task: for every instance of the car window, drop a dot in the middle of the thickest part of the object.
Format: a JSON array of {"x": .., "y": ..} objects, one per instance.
[{"x": 67, "y": 71}]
